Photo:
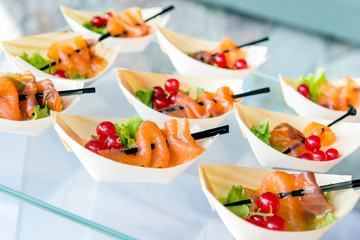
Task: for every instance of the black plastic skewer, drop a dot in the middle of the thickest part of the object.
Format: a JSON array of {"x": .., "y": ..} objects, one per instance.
[
  {"x": 64, "y": 93},
  {"x": 240, "y": 95},
  {"x": 199, "y": 135},
  {"x": 350, "y": 112},
  {"x": 297, "y": 193},
  {"x": 243, "y": 45},
  {"x": 106, "y": 35}
]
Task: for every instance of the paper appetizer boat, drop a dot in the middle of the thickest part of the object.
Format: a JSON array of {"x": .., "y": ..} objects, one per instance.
[
  {"x": 307, "y": 108},
  {"x": 75, "y": 131},
  {"x": 36, "y": 127},
  {"x": 41, "y": 43},
  {"x": 131, "y": 81},
  {"x": 347, "y": 138},
  {"x": 76, "y": 19},
  {"x": 217, "y": 180},
  {"x": 176, "y": 46}
]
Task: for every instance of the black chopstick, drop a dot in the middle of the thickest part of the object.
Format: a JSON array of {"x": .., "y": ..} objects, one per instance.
[
  {"x": 198, "y": 135},
  {"x": 245, "y": 94},
  {"x": 325, "y": 188},
  {"x": 243, "y": 45},
  {"x": 350, "y": 112},
  {"x": 64, "y": 93}
]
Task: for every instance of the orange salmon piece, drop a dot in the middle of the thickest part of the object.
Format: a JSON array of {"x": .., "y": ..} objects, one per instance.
[
  {"x": 323, "y": 132},
  {"x": 182, "y": 145},
  {"x": 9, "y": 101},
  {"x": 51, "y": 96},
  {"x": 231, "y": 56}
]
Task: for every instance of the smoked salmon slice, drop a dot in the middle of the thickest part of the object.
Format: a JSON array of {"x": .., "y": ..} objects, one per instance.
[
  {"x": 51, "y": 96},
  {"x": 214, "y": 104},
  {"x": 9, "y": 101},
  {"x": 128, "y": 23},
  {"x": 182, "y": 145},
  {"x": 74, "y": 57}
]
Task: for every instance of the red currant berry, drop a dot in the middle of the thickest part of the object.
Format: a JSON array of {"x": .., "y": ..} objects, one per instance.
[
  {"x": 95, "y": 145},
  {"x": 104, "y": 129},
  {"x": 275, "y": 223},
  {"x": 268, "y": 202},
  {"x": 241, "y": 64},
  {"x": 97, "y": 21},
  {"x": 107, "y": 16},
  {"x": 331, "y": 154},
  {"x": 160, "y": 103},
  {"x": 113, "y": 141},
  {"x": 318, "y": 155},
  {"x": 172, "y": 85},
  {"x": 257, "y": 220},
  {"x": 306, "y": 156},
  {"x": 220, "y": 60},
  {"x": 304, "y": 90},
  {"x": 61, "y": 73},
  {"x": 158, "y": 92},
  {"x": 313, "y": 142},
  {"x": 172, "y": 98}
]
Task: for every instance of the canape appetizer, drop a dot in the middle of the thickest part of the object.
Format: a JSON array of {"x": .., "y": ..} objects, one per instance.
[
  {"x": 319, "y": 90},
  {"x": 74, "y": 58},
  {"x": 156, "y": 148},
  {"x": 61, "y": 55},
  {"x": 153, "y": 95},
  {"x": 118, "y": 29},
  {"x": 315, "y": 96},
  {"x": 225, "y": 55},
  {"x": 128, "y": 23},
  {"x": 202, "y": 58},
  {"x": 279, "y": 143},
  {"x": 306, "y": 212},
  {"x": 133, "y": 150},
  {"x": 206, "y": 104},
  {"x": 312, "y": 210},
  {"x": 305, "y": 145},
  {"x": 13, "y": 85}
]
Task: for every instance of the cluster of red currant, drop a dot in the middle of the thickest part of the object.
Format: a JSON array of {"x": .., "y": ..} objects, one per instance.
[
  {"x": 160, "y": 99},
  {"x": 220, "y": 60},
  {"x": 268, "y": 205},
  {"x": 99, "y": 22},
  {"x": 313, "y": 144},
  {"x": 106, "y": 138}
]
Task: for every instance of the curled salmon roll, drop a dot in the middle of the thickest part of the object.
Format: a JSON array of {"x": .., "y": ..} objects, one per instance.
[
  {"x": 182, "y": 145},
  {"x": 9, "y": 101},
  {"x": 51, "y": 96}
]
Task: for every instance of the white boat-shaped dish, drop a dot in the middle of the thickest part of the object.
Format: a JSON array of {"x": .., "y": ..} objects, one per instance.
[
  {"x": 131, "y": 81},
  {"x": 36, "y": 127},
  {"x": 307, "y": 108},
  {"x": 76, "y": 19},
  {"x": 347, "y": 139},
  {"x": 217, "y": 180},
  {"x": 176, "y": 46},
  {"x": 41, "y": 43},
  {"x": 75, "y": 131}
]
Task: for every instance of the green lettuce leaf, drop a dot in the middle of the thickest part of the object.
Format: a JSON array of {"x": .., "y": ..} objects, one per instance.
[
  {"x": 145, "y": 97},
  {"x": 37, "y": 61},
  {"x": 77, "y": 76},
  {"x": 41, "y": 112},
  {"x": 262, "y": 131},
  {"x": 329, "y": 219},
  {"x": 328, "y": 195},
  {"x": 89, "y": 26},
  {"x": 127, "y": 131},
  {"x": 313, "y": 82},
  {"x": 237, "y": 193}
]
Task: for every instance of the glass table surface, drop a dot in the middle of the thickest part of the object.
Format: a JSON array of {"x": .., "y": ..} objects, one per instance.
[{"x": 40, "y": 167}]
